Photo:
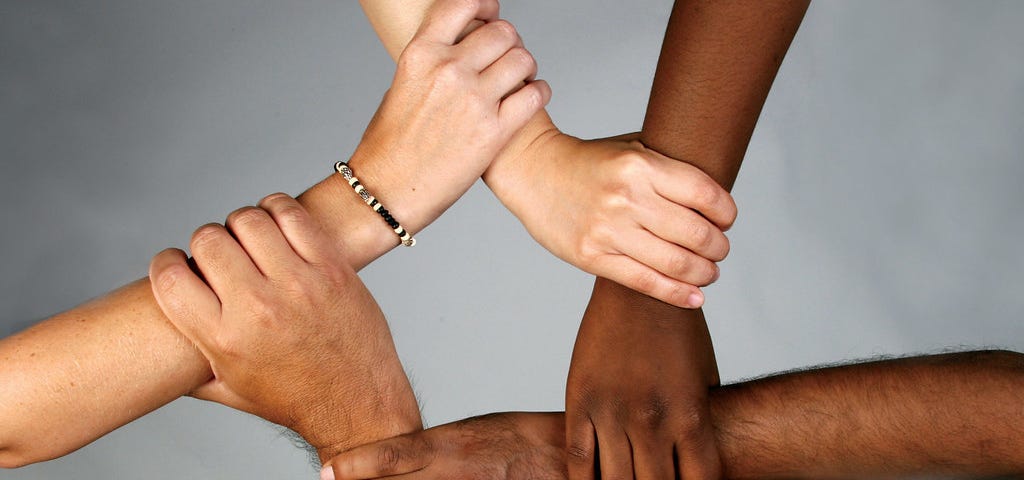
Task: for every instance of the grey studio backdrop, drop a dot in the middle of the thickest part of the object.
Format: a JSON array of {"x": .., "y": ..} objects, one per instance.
[{"x": 880, "y": 201}]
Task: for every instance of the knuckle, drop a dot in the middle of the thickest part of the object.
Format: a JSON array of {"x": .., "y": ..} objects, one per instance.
[
  {"x": 701, "y": 234},
  {"x": 710, "y": 271},
  {"x": 205, "y": 235},
  {"x": 723, "y": 251},
  {"x": 580, "y": 452},
  {"x": 731, "y": 214},
  {"x": 275, "y": 199},
  {"x": 170, "y": 276},
  {"x": 644, "y": 281},
  {"x": 466, "y": 6},
  {"x": 505, "y": 29},
  {"x": 653, "y": 412},
  {"x": 706, "y": 193},
  {"x": 246, "y": 217},
  {"x": 679, "y": 265},
  {"x": 388, "y": 457},
  {"x": 533, "y": 98},
  {"x": 587, "y": 248},
  {"x": 522, "y": 57},
  {"x": 691, "y": 421},
  {"x": 634, "y": 166}
]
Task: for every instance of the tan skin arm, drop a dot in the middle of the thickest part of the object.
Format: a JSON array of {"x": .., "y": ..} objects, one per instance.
[
  {"x": 64, "y": 378},
  {"x": 717, "y": 65},
  {"x": 81, "y": 374}
]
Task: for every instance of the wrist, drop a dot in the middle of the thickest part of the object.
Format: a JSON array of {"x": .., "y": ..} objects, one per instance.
[
  {"x": 524, "y": 162},
  {"x": 340, "y": 428},
  {"x": 348, "y": 221}
]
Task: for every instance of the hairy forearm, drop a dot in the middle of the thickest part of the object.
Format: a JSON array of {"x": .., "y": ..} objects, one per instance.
[
  {"x": 951, "y": 415},
  {"x": 83, "y": 373}
]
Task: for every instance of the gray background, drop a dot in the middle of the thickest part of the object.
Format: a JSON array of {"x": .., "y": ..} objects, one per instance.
[{"x": 880, "y": 198}]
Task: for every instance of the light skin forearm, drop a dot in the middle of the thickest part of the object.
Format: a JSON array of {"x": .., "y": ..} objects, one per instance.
[
  {"x": 65, "y": 378},
  {"x": 406, "y": 159}
]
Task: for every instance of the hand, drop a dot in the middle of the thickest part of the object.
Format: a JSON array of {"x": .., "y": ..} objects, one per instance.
[
  {"x": 291, "y": 333},
  {"x": 509, "y": 446},
  {"x": 637, "y": 394},
  {"x": 453, "y": 105},
  {"x": 619, "y": 210}
]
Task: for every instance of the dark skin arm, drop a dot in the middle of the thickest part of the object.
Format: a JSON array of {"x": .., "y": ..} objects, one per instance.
[
  {"x": 717, "y": 64},
  {"x": 955, "y": 415}
]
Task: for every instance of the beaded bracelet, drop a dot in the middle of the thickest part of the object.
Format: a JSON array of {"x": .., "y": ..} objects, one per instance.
[{"x": 350, "y": 177}]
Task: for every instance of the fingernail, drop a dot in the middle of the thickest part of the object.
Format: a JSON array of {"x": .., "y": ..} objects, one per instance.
[
  {"x": 718, "y": 273},
  {"x": 327, "y": 473},
  {"x": 695, "y": 300}
]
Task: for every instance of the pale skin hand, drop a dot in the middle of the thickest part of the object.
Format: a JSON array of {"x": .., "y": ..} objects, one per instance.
[
  {"x": 953, "y": 415},
  {"x": 275, "y": 286},
  {"x": 702, "y": 110},
  {"x": 64, "y": 378},
  {"x": 545, "y": 178}
]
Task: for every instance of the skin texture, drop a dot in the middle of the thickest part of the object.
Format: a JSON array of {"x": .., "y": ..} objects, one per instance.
[
  {"x": 272, "y": 286},
  {"x": 949, "y": 416},
  {"x": 64, "y": 378},
  {"x": 604, "y": 183},
  {"x": 628, "y": 228},
  {"x": 636, "y": 397}
]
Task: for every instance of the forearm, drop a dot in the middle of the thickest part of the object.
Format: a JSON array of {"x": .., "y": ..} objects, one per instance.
[
  {"x": 83, "y": 373},
  {"x": 951, "y": 415},
  {"x": 717, "y": 63}
]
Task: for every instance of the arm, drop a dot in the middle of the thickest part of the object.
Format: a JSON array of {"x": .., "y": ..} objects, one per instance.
[
  {"x": 717, "y": 63},
  {"x": 604, "y": 206},
  {"x": 954, "y": 415},
  {"x": 64, "y": 379}
]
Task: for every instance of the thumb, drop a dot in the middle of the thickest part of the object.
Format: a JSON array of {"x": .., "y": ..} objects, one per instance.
[{"x": 395, "y": 456}]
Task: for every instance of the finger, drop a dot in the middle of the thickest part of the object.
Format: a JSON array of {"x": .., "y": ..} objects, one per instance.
[
  {"x": 447, "y": 19},
  {"x": 488, "y": 43},
  {"x": 616, "y": 454},
  {"x": 653, "y": 458},
  {"x": 686, "y": 228},
  {"x": 669, "y": 259},
  {"x": 222, "y": 261},
  {"x": 303, "y": 233},
  {"x": 521, "y": 106},
  {"x": 190, "y": 304},
  {"x": 262, "y": 240},
  {"x": 394, "y": 456},
  {"x": 509, "y": 72},
  {"x": 581, "y": 441},
  {"x": 690, "y": 187},
  {"x": 695, "y": 448},
  {"x": 628, "y": 272}
]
